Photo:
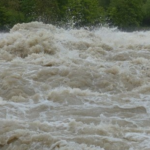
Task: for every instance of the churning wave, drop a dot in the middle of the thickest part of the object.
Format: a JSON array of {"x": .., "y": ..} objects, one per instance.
[{"x": 74, "y": 89}]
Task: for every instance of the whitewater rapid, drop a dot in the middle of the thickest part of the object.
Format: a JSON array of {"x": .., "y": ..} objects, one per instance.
[{"x": 74, "y": 89}]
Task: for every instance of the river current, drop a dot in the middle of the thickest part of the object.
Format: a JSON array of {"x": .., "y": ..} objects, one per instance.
[{"x": 74, "y": 89}]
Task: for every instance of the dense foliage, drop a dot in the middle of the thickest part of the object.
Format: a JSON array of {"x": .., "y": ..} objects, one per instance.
[
  {"x": 126, "y": 13},
  {"x": 122, "y": 13}
]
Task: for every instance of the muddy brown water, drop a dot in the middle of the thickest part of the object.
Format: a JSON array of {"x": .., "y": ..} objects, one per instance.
[{"x": 74, "y": 89}]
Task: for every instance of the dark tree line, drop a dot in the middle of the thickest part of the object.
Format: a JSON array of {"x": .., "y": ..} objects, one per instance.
[{"x": 122, "y": 13}]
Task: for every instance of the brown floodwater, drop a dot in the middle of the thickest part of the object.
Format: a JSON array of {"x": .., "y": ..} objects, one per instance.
[{"x": 74, "y": 89}]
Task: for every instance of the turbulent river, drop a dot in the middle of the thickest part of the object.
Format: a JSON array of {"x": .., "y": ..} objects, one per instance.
[{"x": 74, "y": 89}]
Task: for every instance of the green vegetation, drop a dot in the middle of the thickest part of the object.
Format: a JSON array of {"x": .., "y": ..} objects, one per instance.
[
  {"x": 84, "y": 12},
  {"x": 3, "y": 17},
  {"x": 146, "y": 11},
  {"x": 125, "y": 14}
]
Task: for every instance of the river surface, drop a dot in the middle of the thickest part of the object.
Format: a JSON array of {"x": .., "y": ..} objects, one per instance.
[{"x": 74, "y": 89}]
